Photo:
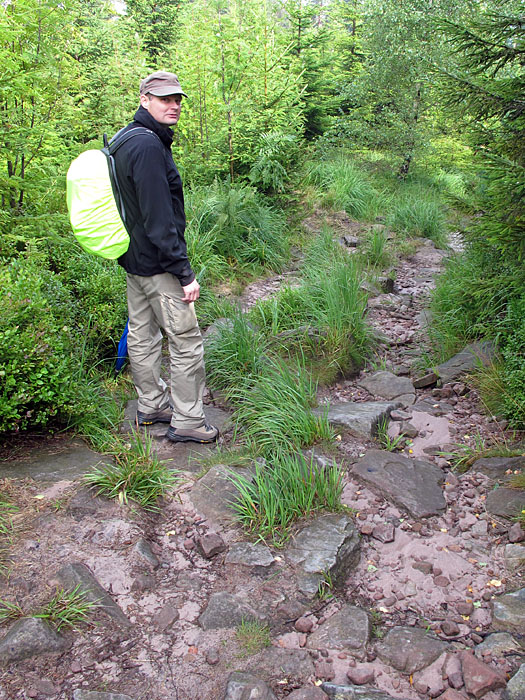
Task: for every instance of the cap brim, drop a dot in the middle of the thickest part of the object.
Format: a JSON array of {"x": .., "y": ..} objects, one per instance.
[{"x": 165, "y": 91}]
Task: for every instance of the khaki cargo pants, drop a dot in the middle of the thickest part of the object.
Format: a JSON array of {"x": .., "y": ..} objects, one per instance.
[{"x": 155, "y": 303}]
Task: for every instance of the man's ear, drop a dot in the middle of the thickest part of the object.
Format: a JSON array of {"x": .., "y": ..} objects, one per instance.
[{"x": 144, "y": 101}]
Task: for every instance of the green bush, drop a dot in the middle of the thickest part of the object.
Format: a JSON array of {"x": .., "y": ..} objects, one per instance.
[{"x": 39, "y": 349}]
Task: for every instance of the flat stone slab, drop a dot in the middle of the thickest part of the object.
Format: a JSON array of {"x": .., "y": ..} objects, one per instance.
[
  {"x": 30, "y": 637},
  {"x": 249, "y": 554},
  {"x": 68, "y": 461},
  {"x": 389, "y": 386},
  {"x": 507, "y": 503},
  {"x": 469, "y": 358},
  {"x": 412, "y": 484},
  {"x": 277, "y": 663},
  {"x": 244, "y": 685},
  {"x": 516, "y": 685},
  {"x": 360, "y": 419},
  {"x": 409, "y": 649},
  {"x": 509, "y": 612},
  {"x": 328, "y": 545},
  {"x": 225, "y": 610},
  {"x": 496, "y": 467},
  {"x": 80, "y": 694},
  {"x": 498, "y": 644},
  {"x": 515, "y": 557},
  {"x": 214, "y": 494},
  {"x": 77, "y": 574},
  {"x": 348, "y": 630},
  {"x": 355, "y": 692},
  {"x": 435, "y": 429}
]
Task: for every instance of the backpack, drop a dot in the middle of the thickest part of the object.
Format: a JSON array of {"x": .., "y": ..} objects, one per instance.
[{"x": 94, "y": 202}]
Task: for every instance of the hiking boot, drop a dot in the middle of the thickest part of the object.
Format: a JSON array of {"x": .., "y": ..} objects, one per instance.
[
  {"x": 206, "y": 433},
  {"x": 161, "y": 416}
]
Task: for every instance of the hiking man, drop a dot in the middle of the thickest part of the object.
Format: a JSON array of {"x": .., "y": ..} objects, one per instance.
[{"x": 161, "y": 286}]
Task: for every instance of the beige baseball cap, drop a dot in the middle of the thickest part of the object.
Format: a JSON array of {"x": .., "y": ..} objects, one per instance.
[{"x": 161, "y": 84}]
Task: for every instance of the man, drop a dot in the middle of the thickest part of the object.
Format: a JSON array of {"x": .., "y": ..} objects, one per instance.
[{"x": 161, "y": 286}]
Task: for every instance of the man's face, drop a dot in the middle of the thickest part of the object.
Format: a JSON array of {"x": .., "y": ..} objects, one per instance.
[{"x": 165, "y": 110}]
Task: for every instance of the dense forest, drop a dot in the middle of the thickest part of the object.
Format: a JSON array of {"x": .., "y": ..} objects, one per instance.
[{"x": 410, "y": 113}]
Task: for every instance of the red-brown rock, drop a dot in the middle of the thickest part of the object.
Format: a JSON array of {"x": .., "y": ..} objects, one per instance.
[{"x": 478, "y": 677}]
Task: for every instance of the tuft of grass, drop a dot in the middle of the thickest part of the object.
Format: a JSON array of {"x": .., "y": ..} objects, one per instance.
[
  {"x": 417, "y": 215},
  {"x": 235, "y": 352},
  {"x": 67, "y": 609},
  {"x": 285, "y": 488},
  {"x": 464, "y": 456},
  {"x": 325, "y": 590},
  {"x": 137, "y": 475},
  {"x": 385, "y": 440},
  {"x": 6, "y": 529},
  {"x": 376, "y": 250},
  {"x": 231, "y": 457},
  {"x": 253, "y": 636},
  {"x": 274, "y": 409},
  {"x": 346, "y": 186},
  {"x": 10, "y": 611}
]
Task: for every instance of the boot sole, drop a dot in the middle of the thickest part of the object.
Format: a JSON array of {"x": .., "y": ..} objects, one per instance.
[{"x": 187, "y": 438}]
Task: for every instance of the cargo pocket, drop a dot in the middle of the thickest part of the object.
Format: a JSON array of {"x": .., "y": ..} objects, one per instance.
[{"x": 179, "y": 317}]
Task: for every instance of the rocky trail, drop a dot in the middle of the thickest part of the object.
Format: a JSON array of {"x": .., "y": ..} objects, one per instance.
[{"x": 416, "y": 592}]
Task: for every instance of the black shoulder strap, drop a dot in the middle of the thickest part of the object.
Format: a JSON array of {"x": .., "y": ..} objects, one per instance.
[{"x": 109, "y": 149}]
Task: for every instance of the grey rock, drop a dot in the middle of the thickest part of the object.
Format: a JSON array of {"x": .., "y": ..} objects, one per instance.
[
  {"x": 249, "y": 554},
  {"x": 276, "y": 663},
  {"x": 244, "y": 686},
  {"x": 166, "y": 616},
  {"x": 309, "y": 693},
  {"x": 506, "y": 503},
  {"x": 412, "y": 484},
  {"x": 354, "y": 692},
  {"x": 425, "y": 380},
  {"x": 225, "y": 610},
  {"x": 384, "y": 532},
  {"x": 84, "y": 503},
  {"x": 214, "y": 494},
  {"x": 48, "y": 464},
  {"x": 144, "y": 551},
  {"x": 77, "y": 574},
  {"x": 498, "y": 644},
  {"x": 30, "y": 637},
  {"x": 509, "y": 612},
  {"x": 516, "y": 685},
  {"x": 387, "y": 385},
  {"x": 496, "y": 467},
  {"x": 515, "y": 557},
  {"x": 409, "y": 649},
  {"x": 360, "y": 419},
  {"x": 95, "y": 695},
  {"x": 465, "y": 361},
  {"x": 329, "y": 544},
  {"x": 348, "y": 630},
  {"x": 516, "y": 533}
]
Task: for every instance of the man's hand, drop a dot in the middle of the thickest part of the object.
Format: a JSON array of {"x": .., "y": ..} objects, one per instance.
[{"x": 191, "y": 291}]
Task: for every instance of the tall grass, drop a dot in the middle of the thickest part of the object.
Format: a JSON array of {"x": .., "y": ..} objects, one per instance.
[
  {"x": 285, "y": 488},
  {"x": 345, "y": 186},
  {"x": 274, "y": 409},
  {"x": 417, "y": 214},
  {"x": 238, "y": 225}
]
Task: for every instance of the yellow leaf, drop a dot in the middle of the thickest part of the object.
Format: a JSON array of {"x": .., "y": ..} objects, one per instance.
[
  {"x": 171, "y": 532},
  {"x": 40, "y": 497},
  {"x": 494, "y": 582},
  {"x": 443, "y": 529}
]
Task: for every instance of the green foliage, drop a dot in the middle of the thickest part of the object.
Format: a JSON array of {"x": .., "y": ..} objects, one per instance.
[
  {"x": 137, "y": 475},
  {"x": 283, "y": 490},
  {"x": 376, "y": 251},
  {"x": 513, "y": 352},
  {"x": 270, "y": 171},
  {"x": 274, "y": 409},
  {"x": 9, "y": 611},
  {"x": 37, "y": 347},
  {"x": 391, "y": 444}
]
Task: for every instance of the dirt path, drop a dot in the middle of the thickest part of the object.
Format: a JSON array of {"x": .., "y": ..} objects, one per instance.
[{"x": 167, "y": 572}]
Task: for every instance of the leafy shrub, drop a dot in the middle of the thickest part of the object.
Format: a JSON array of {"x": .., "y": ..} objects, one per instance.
[
  {"x": 38, "y": 347},
  {"x": 270, "y": 170}
]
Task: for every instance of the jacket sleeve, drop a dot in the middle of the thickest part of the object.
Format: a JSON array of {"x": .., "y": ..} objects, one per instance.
[{"x": 164, "y": 220}]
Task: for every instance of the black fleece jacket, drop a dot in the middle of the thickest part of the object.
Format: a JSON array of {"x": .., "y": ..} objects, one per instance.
[{"x": 151, "y": 190}]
